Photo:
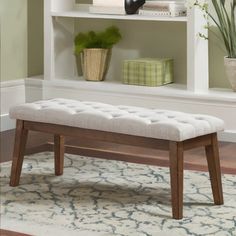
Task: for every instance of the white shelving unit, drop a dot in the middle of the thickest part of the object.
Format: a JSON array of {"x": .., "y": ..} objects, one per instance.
[
  {"x": 60, "y": 16},
  {"x": 191, "y": 94}
]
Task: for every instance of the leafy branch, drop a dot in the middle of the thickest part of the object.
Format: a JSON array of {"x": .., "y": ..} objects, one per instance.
[
  {"x": 225, "y": 22},
  {"x": 91, "y": 39}
]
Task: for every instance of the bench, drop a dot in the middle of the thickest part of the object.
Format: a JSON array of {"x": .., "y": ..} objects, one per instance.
[{"x": 128, "y": 125}]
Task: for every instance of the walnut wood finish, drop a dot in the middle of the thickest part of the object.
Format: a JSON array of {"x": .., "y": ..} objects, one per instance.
[
  {"x": 176, "y": 154},
  {"x": 213, "y": 160},
  {"x": 59, "y": 148},
  {"x": 4, "y": 232},
  {"x": 18, "y": 154},
  {"x": 176, "y": 150},
  {"x": 98, "y": 135},
  {"x": 197, "y": 142}
]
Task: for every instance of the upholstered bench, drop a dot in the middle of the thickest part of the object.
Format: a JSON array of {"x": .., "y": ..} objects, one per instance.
[{"x": 136, "y": 126}]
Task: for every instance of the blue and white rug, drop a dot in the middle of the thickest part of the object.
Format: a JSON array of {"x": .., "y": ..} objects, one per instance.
[{"x": 98, "y": 197}]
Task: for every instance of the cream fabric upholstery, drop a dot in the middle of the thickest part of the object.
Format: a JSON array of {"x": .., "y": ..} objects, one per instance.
[{"x": 155, "y": 123}]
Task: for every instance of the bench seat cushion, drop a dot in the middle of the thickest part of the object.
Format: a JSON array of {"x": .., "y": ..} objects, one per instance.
[{"x": 154, "y": 123}]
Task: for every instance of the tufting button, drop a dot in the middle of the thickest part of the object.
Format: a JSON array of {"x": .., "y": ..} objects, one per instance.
[
  {"x": 199, "y": 118},
  {"x": 144, "y": 116},
  {"x": 44, "y": 106},
  {"x": 107, "y": 111},
  {"x": 154, "y": 121},
  {"x": 116, "y": 115},
  {"x": 79, "y": 110}
]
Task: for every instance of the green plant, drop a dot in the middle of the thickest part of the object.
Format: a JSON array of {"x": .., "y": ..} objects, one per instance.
[
  {"x": 225, "y": 22},
  {"x": 91, "y": 39}
]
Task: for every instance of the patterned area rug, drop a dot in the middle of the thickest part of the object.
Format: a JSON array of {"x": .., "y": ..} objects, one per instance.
[{"x": 101, "y": 197}]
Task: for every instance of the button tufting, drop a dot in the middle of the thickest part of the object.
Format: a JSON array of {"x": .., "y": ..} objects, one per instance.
[
  {"x": 154, "y": 121},
  {"x": 79, "y": 110},
  {"x": 132, "y": 111},
  {"x": 175, "y": 126},
  {"x": 199, "y": 118},
  {"x": 106, "y": 111},
  {"x": 43, "y": 106},
  {"x": 183, "y": 122}
]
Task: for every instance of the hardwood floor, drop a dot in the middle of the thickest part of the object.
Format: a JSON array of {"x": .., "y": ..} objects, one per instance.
[{"x": 38, "y": 142}]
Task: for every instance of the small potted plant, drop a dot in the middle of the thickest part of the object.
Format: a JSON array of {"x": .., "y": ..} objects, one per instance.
[
  {"x": 94, "y": 49},
  {"x": 225, "y": 20}
]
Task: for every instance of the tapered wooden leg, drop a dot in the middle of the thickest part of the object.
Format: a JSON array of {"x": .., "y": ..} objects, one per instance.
[
  {"x": 176, "y": 178},
  {"x": 59, "y": 149},
  {"x": 18, "y": 153},
  {"x": 213, "y": 160}
]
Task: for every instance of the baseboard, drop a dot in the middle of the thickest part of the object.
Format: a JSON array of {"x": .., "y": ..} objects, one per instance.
[
  {"x": 228, "y": 136},
  {"x": 6, "y": 123},
  {"x": 12, "y": 93}
]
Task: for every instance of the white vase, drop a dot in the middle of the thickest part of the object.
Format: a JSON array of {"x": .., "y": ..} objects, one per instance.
[{"x": 230, "y": 68}]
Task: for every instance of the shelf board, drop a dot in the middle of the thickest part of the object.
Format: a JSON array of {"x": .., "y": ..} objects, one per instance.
[
  {"x": 85, "y": 14},
  {"x": 171, "y": 90}
]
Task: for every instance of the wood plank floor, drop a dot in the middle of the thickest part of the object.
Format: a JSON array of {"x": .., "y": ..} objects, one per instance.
[{"x": 38, "y": 142}]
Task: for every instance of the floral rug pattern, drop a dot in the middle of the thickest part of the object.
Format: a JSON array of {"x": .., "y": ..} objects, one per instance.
[{"x": 105, "y": 197}]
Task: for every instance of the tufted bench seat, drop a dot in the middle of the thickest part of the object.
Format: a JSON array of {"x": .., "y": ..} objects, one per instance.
[{"x": 136, "y": 126}]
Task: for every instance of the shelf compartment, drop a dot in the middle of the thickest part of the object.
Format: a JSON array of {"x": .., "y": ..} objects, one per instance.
[{"x": 82, "y": 11}]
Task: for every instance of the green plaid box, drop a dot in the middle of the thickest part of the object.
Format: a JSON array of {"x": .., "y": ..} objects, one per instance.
[{"x": 148, "y": 71}]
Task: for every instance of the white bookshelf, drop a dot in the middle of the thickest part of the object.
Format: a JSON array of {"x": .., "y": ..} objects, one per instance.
[{"x": 59, "y": 24}]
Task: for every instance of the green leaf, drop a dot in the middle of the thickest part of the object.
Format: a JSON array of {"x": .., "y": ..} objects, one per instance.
[{"x": 103, "y": 39}]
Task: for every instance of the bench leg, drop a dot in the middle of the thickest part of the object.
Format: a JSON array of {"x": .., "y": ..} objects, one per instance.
[
  {"x": 213, "y": 160},
  {"x": 59, "y": 149},
  {"x": 18, "y": 153},
  {"x": 176, "y": 178}
]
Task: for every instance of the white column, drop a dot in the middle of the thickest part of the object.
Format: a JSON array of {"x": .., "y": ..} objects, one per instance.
[
  {"x": 58, "y": 30},
  {"x": 48, "y": 42},
  {"x": 197, "y": 52}
]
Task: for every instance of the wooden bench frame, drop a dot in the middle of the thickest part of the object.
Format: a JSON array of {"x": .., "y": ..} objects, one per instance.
[{"x": 176, "y": 151}]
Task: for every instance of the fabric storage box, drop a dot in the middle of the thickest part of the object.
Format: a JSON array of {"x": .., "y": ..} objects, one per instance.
[{"x": 148, "y": 71}]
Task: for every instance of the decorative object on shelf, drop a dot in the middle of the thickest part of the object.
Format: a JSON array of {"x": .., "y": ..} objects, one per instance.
[
  {"x": 132, "y": 6},
  {"x": 226, "y": 23},
  {"x": 120, "y": 7},
  {"x": 148, "y": 71},
  {"x": 95, "y": 50},
  {"x": 230, "y": 68},
  {"x": 116, "y": 7},
  {"x": 163, "y": 8}
]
